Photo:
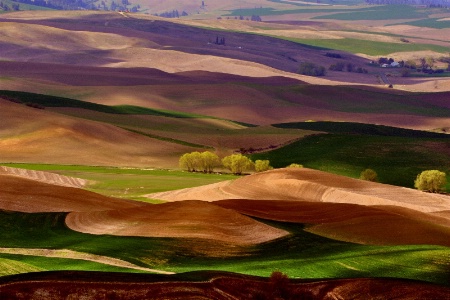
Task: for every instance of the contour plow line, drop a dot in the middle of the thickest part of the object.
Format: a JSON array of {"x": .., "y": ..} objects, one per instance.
[
  {"x": 46, "y": 177},
  {"x": 70, "y": 254}
]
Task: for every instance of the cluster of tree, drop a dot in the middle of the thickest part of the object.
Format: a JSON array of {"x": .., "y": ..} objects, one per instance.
[
  {"x": 433, "y": 181},
  {"x": 333, "y": 55},
  {"x": 255, "y": 18},
  {"x": 172, "y": 14},
  {"x": 385, "y": 60},
  {"x": 340, "y": 66},
  {"x": 219, "y": 40},
  {"x": 311, "y": 69},
  {"x": 428, "y": 3},
  {"x": 207, "y": 161},
  {"x": 5, "y": 7},
  {"x": 369, "y": 175}
]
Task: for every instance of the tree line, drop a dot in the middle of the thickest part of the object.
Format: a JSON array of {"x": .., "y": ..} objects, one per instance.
[
  {"x": 207, "y": 161},
  {"x": 430, "y": 180}
]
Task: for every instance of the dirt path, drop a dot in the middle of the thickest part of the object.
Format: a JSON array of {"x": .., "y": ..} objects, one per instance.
[{"x": 70, "y": 254}]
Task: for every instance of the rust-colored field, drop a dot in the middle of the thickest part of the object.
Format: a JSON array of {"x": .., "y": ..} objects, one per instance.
[
  {"x": 214, "y": 285},
  {"x": 187, "y": 219},
  {"x": 335, "y": 206},
  {"x": 27, "y": 195}
]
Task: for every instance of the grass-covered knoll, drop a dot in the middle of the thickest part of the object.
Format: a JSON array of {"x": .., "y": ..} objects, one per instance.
[
  {"x": 374, "y": 48},
  {"x": 300, "y": 255},
  {"x": 15, "y": 263},
  {"x": 54, "y": 101},
  {"x": 397, "y": 160},
  {"x": 129, "y": 183},
  {"x": 361, "y": 128}
]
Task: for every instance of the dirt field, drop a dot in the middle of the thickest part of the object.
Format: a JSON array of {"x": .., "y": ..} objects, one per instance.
[
  {"x": 192, "y": 219},
  {"x": 51, "y": 138},
  {"x": 335, "y": 206},
  {"x": 26, "y": 195},
  {"x": 217, "y": 286}
]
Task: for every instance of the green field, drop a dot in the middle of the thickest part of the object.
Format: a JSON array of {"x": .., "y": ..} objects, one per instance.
[
  {"x": 366, "y": 46},
  {"x": 300, "y": 255},
  {"x": 130, "y": 183},
  {"x": 387, "y": 12},
  {"x": 397, "y": 156}
]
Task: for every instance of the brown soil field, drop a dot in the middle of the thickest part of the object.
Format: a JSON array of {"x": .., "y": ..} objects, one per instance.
[
  {"x": 47, "y": 137},
  {"x": 336, "y": 207},
  {"x": 25, "y": 195},
  {"x": 214, "y": 286},
  {"x": 96, "y": 214},
  {"x": 214, "y": 94},
  {"x": 186, "y": 219},
  {"x": 293, "y": 184},
  {"x": 350, "y": 222}
]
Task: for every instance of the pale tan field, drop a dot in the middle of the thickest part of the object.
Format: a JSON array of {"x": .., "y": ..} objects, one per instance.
[
  {"x": 121, "y": 47},
  {"x": 48, "y": 137}
]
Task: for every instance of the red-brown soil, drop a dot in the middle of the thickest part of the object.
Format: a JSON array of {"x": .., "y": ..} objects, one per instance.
[
  {"x": 337, "y": 207},
  {"x": 188, "y": 219},
  {"x": 351, "y": 222},
  {"x": 96, "y": 214},
  {"x": 217, "y": 286},
  {"x": 302, "y": 184},
  {"x": 25, "y": 195}
]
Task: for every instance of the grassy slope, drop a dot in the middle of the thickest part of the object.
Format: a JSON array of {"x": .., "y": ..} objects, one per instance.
[
  {"x": 130, "y": 183},
  {"x": 397, "y": 156},
  {"x": 14, "y": 264},
  {"x": 53, "y": 101},
  {"x": 300, "y": 255}
]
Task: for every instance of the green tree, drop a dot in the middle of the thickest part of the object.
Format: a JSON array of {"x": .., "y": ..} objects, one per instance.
[
  {"x": 209, "y": 161},
  {"x": 191, "y": 161},
  {"x": 369, "y": 175},
  {"x": 186, "y": 162},
  {"x": 431, "y": 181},
  {"x": 294, "y": 165},
  {"x": 311, "y": 69},
  {"x": 237, "y": 163},
  {"x": 262, "y": 165}
]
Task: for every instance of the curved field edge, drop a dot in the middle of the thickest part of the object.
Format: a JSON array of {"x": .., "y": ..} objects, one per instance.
[{"x": 300, "y": 255}]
